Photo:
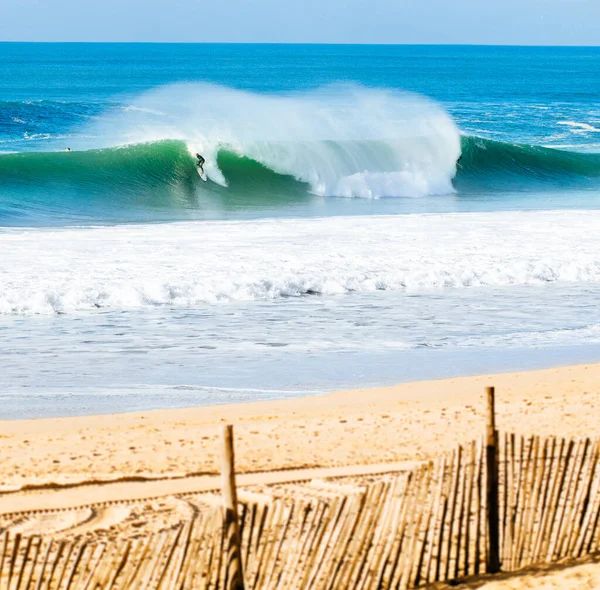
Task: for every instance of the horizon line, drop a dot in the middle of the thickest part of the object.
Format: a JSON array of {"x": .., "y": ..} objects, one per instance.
[{"x": 307, "y": 43}]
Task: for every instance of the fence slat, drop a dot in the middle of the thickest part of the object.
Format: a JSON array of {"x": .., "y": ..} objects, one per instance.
[
  {"x": 391, "y": 558},
  {"x": 36, "y": 552},
  {"x": 587, "y": 529},
  {"x": 13, "y": 558},
  {"x": 493, "y": 560},
  {"x": 43, "y": 565},
  {"x": 76, "y": 561},
  {"x": 341, "y": 539},
  {"x": 564, "y": 491},
  {"x": 580, "y": 489},
  {"x": 503, "y": 462},
  {"x": 384, "y": 539},
  {"x": 479, "y": 497},
  {"x": 370, "y": 513},
  {"x": 589, "y": 501},
  {"x": 548, "y": 498},
  {"x": 23, "y": 563},
  {"x": 436, "y": 512},
  {"x": 404, "y": 529},
  {"x": 527, "y": 485},
  {"x": 54, "y": 563},
  {"x": 508, "y": 535},
  {"x": 420, "y": 536},
  {"x": 469, "y": 504},
  {"x": 63, "y": 569},
  {"x": 536, "y": 505},
  {"x": 288, "y": 515}
]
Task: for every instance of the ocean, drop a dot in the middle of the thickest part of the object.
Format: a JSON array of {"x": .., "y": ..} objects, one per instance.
[{"x": 372, "y": 214}]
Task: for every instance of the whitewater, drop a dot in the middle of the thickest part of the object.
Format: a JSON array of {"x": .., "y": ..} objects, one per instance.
[
  {"x": 216, "y": 263},
  {"x": 371, "y": 215}
]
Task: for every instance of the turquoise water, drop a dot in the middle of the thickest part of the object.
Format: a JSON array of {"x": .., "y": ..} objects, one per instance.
[
  {"x": 509, "y": 105},
  {"x": 372, "y": 214}
]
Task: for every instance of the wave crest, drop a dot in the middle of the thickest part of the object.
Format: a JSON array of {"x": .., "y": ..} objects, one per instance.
[{"x": 341, "y": 141}]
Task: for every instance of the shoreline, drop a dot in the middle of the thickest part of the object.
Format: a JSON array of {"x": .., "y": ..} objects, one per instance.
[
  {"x": 409, "y": 421},
  {"x": 376, "y": 372}
]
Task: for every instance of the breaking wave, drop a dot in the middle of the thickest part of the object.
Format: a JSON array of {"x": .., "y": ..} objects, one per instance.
[{"x": 343, "y": 141}]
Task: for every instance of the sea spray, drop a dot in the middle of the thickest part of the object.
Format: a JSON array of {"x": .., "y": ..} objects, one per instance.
[{"x": 343, "y": 140}]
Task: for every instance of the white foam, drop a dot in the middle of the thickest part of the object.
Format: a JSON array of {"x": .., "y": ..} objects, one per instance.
[
  {"x": 577, "y": 127},
  {"x": 28, "y": 135},
  {"x": 141, "y": 109},
  {"x": 342, "y": 140},
  {"x": 191, "y": 264}
]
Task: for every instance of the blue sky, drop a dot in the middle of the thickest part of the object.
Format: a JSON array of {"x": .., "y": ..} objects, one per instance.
[{"x": 519, "y": 22}]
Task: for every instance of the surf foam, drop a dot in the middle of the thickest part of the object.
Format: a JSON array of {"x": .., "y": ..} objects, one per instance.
[{"x": 191, "y": 264}]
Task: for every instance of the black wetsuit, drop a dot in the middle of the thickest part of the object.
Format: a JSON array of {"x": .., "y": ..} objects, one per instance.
[{"x": 200, "y": 163}]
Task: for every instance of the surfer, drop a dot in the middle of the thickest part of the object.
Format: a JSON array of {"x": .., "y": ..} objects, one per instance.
[
  {"x": 200, "y": 163},
  {"x": 68, "y": 150}
]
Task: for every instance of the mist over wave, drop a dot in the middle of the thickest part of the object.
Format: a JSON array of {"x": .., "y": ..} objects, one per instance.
[{"x": 341, "y": 140}]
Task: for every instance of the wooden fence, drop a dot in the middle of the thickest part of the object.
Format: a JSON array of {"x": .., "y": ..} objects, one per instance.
[{"x": 413, "y": 528}]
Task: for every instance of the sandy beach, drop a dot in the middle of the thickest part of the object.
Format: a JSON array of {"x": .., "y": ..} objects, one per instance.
[
  {"x": 405, "y": 422},
  {"x": 147, "y": 462}
]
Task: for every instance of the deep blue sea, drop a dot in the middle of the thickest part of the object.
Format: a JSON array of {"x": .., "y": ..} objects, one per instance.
[{"x": 371, "y": 214}]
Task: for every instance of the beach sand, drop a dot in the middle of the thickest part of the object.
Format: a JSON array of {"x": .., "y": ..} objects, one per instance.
[
  {"x": 567, "y": 575},
  {"x": 407, "y": 422},
  {"x": 404, "y": 422}
]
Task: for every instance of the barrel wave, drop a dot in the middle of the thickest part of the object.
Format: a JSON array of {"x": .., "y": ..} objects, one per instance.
[{"x": 342, "y": 141}]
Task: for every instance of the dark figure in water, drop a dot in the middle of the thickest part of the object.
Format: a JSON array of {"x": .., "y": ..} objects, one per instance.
[{"x": 200, "y": 163}]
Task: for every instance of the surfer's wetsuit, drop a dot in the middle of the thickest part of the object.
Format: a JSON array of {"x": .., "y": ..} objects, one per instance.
[{"x": 200, "y": 162}]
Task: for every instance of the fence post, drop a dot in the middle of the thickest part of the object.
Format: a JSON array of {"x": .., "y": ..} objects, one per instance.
[
  {"x": 493, "y": 523},
  {"x": 234, "y": 573}
]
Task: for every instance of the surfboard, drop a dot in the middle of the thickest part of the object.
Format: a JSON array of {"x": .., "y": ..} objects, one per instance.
[{"x": 202, "y": 175}]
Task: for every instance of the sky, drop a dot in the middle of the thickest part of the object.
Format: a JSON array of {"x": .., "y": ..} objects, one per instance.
[{"x": 501, "y": 22}]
